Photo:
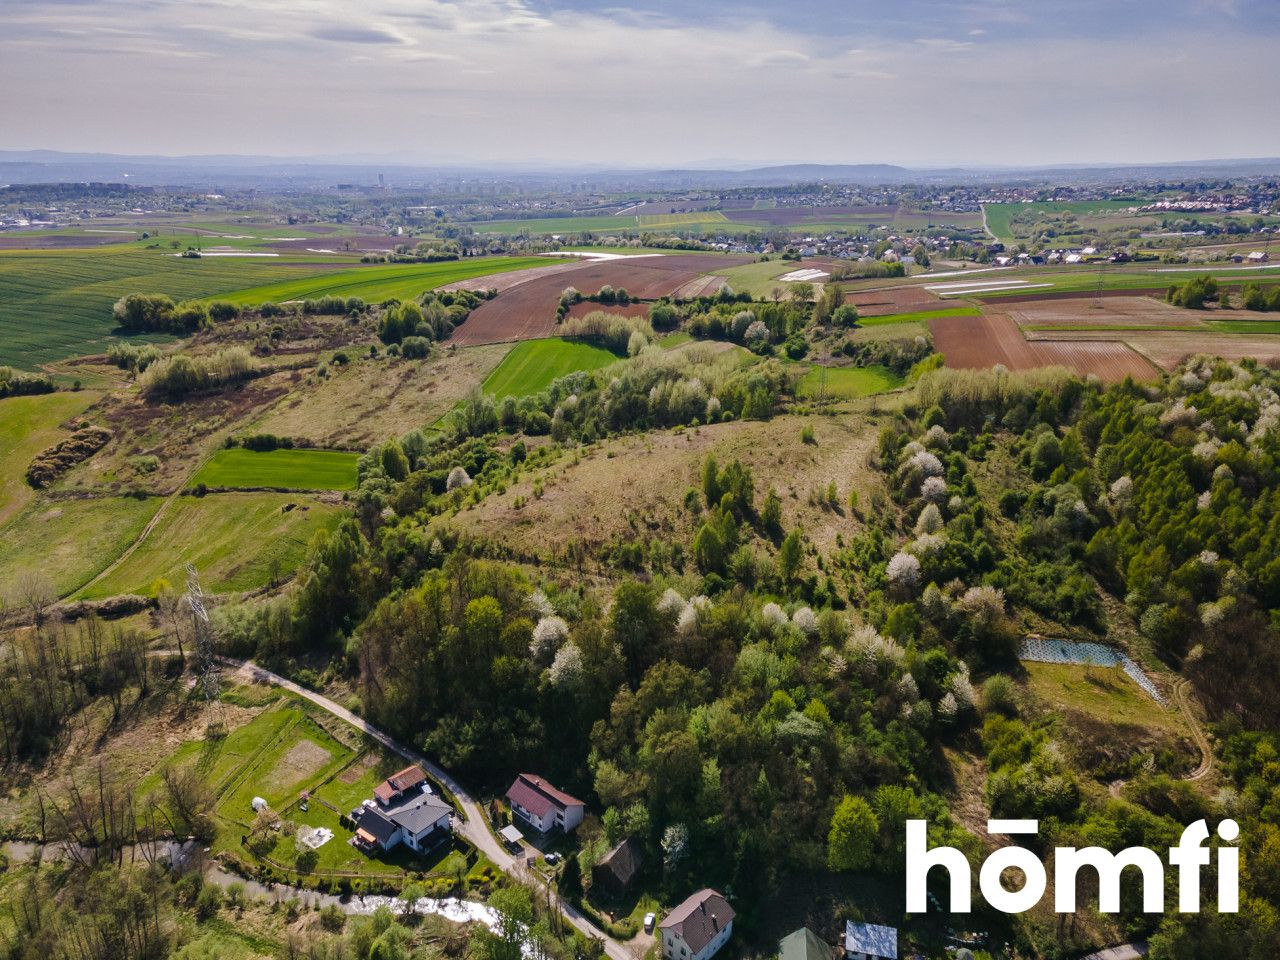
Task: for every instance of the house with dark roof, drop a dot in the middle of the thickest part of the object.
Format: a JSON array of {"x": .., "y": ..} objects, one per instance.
[
  {"x": 403, "y": 810},
  {"x": 618, "y": 867},
  {"x": 698, "y": 928},
  {"x": 804, "y": 944},
  {"x": 542, "y": 806},
  {"x": 870, "y": 941},
  {"x": 410, "y": 780},
  {"x": 421, "y": 823}
]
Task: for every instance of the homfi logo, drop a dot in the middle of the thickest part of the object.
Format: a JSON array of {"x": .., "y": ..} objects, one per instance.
[{"x": 1188, "y": 856}]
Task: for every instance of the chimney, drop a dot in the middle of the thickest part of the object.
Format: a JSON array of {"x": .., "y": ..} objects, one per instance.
[{"x": 715, "y": 924}]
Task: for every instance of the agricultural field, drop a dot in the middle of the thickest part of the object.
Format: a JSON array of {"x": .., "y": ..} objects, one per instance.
[
  {"x": 1000, "y": 216},
  {"x": 28, "y": 426},
  {"x": 57, "y": 303},
  {"x": 381, "y": 282},
  {"x": 236, "y": 541},
  {"x": 71, "y": 541},
  {"x": 990, "y": 339},
  {"x": 285, "y": 469},
  {"x": 533, "y": 365},
  {"x": 527, "y": 310},
  {"x": 695, "y": 222},
  {"x": 846, "y": 383},
  {"x": 895, "y": 319}
]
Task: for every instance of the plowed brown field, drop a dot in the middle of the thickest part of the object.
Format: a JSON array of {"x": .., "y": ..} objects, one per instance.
[
  {"x": 528, "y": 309},
  {"x": 981, "y": 342},
  {"x": 879, "y": 303}
]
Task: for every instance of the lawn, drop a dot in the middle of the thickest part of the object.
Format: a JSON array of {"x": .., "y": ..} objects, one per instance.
[
  {"x": 300, "y": 757},
  {"x": 29, "y": 425},
  {"x": 71, "y": 541},
  {"x": 377, "y": 283},
  {"x": 534, "y": 365},
  {"x": 237, "y": 542},
  {"x": 847, "y": 383},
  {"x": 236, "y": 467},
  {"x": 917, "y": 317},
  {"x": 57, "y": 303}
]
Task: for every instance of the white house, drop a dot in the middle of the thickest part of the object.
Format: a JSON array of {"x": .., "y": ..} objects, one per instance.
[
  {"x": 420, "y": 823},
  {"x": 870, "y": 941},
  {"x": 542, "y": 806},
  {"x": 403, "y": 810},
  {"x": 698, "y": 928}
]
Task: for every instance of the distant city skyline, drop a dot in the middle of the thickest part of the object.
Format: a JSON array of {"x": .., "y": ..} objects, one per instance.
[{"x": 659, "y": 83}]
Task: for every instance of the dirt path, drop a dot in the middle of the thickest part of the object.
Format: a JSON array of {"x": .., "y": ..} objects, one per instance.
[
  {"x": 473, "y": 825},
  {"x": 1182, "y": 697},
  {"x": 983, "y": 208}
]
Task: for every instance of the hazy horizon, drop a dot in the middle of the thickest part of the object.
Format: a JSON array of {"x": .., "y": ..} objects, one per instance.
[{"x": 656, "y": 84}]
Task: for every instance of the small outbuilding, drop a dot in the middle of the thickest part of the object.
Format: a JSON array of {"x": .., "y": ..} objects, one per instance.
[
  {"x": 618, "y": 867},
  {"x": 804, "y": 944},
  {"x": 870, "y": 941}
]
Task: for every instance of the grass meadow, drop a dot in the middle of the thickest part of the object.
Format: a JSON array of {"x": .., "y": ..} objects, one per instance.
[
  {"x": 29, "y": 425},
  {"x": 237, "y": 542},
  {"x": 71, "y": 541},
  {"x": 286, "y": 469},
  {"x": 534, "y": 365},
  {"x": 846, "y": 383}
]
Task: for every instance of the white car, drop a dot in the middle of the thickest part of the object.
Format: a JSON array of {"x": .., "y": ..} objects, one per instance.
[{"x": 649, "y": 920}]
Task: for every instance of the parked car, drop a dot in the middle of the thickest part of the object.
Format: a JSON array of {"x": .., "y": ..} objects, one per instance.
[
  {"x": 552, "y": 859},
  {"x": 649, "y": 920}
]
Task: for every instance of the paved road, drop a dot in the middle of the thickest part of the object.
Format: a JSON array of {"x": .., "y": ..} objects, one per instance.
[{"x": 473, "y": 825}]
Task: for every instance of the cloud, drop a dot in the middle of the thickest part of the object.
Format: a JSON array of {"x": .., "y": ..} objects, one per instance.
[
  {"x": 342, "y": 34},
  {"x": 779, "y": 58},
  {"x": 944, "y": 44}
]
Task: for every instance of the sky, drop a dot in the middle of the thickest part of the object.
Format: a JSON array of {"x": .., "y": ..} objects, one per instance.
[{"x": 658, "y": 83}]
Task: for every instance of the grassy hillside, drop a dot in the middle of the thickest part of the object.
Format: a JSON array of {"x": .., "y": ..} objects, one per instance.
[
  {"x": 534, "y": 365},
  {"x": 29, "y": 425},
  {"x": 71, "y": 541},
  {"x": 237, "y": 542}
]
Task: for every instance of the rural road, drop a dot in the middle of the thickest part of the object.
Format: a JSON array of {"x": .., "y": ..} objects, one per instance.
[{"x": 473, "y": 825}]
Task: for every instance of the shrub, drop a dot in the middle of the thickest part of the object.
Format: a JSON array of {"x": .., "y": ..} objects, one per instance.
[
  {"x": 181, "y": 374},
  {"x": 609, "y": 330}
]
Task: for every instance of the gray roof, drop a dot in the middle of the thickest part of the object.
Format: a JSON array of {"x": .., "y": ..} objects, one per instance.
[
  {"x": 700, "y": 918},
  {"x": 378, "y": 826},
  {"x": 871, "y": 938},
  {"x": 804, "y": 944},
  {"x": 419, "y": 813}
]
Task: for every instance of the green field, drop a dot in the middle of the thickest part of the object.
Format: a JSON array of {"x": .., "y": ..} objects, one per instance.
[
  {"x": 1000, "y": 215},
  {"x": 57, "y": 303},
  {"x": 237, "y": 542},
  {"x": 693, "y": 222},
  {"x": 377, "y": 283},
  {"x": 846, "y": 383},
  {"x": 283, "y": 469},
  {"x": 534, "y": 365},
  {"x": 71, "y": 541},
  {"x": 29, "y": 425},
  {"x": 919, "y": 316}
]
